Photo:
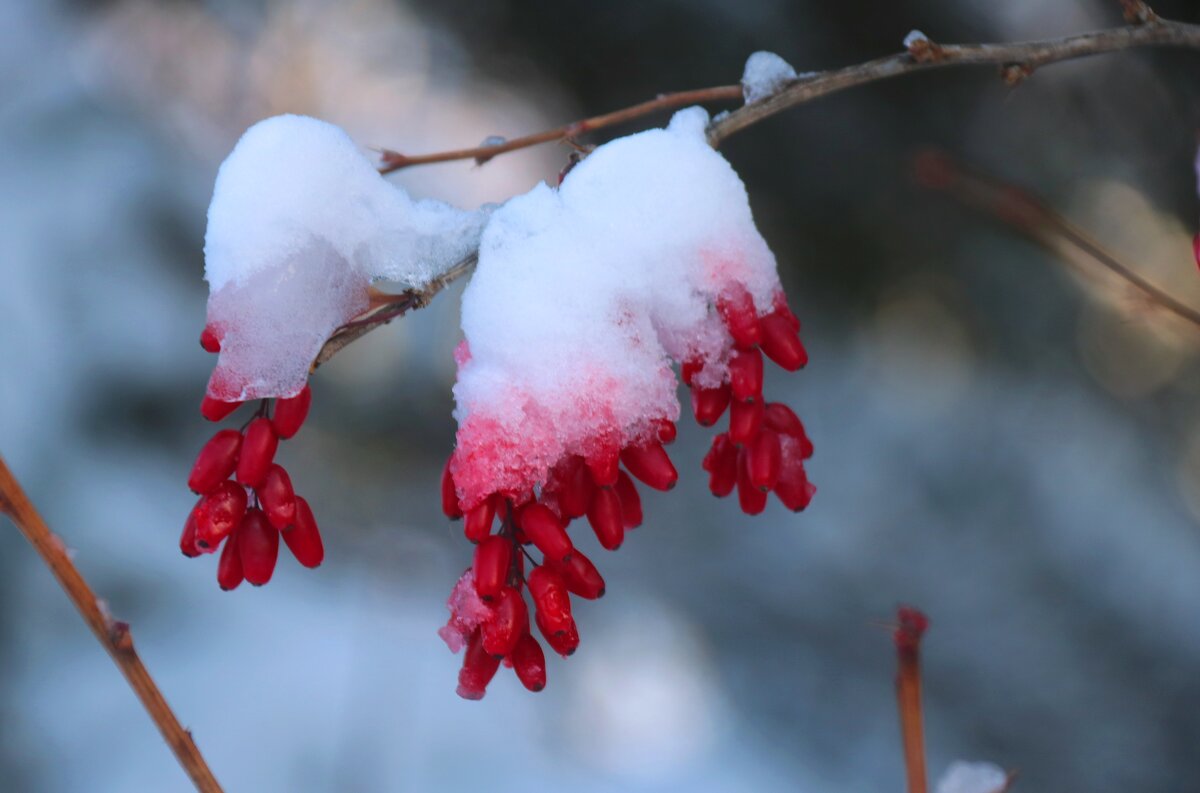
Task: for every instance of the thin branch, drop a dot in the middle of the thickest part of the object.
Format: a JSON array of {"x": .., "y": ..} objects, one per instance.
[
  {"x": 1016, "y": 61},
  {"x": 1023, "y": 211},
  {"x": 907, "y": 637},
  {"x": 394, "y": 161},
  {"x": 114, "y": 635}
]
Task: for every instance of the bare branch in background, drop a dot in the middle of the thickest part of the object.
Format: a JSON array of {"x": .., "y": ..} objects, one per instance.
[
  {"x": 1024, "y": 212},
  {"x": 114, "y": 635}
]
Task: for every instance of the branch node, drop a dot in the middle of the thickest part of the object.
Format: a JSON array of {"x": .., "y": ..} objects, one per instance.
[
  {"x": 1015, "y": 73},
  {"x": 1137, "y": 12},
  {"x": 921, "y": 49}
]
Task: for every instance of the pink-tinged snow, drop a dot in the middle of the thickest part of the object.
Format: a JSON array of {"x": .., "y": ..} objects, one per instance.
[
  {"x": 467, "y": 612},
  {"x": 299, "y": 225},
  {"x": 584, "y": 296}
]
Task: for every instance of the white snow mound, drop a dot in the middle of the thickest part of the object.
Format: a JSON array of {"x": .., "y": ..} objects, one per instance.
[
  {"x": 979, "y": 777},
  {"x": 585, "y": 295},
  {"x": 765, "y": 73},
  {"x": 299, "y": 225}
]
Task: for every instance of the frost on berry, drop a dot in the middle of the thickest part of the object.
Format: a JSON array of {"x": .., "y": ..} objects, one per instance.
[{"x": 584, "y": 300}]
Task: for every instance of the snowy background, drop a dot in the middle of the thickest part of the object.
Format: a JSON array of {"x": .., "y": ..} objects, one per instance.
[{"x": 1003, "y": 444}]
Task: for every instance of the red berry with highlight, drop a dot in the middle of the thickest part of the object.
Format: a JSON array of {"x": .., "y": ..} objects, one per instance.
[
  {"x": 606, "y": 519},
  {"x": 550, "y": 598},
  {"x": 509, "y": 621},
  {"x": 581, "y": 577},
  {"x": 218, "y": 514},
  {"x": 576, "y": 488},
  {"x": 545, "y": 530},
  {"x": 303, "y": 538},
  {"x": 529, "y": 662},
  {"x": 478, "y": 524},
  {"x": 736, "y": 307},
  {"x": 763, "y": 460},
  {"x": 721, "y": 462},
  {"x": 277, "y": 497},
  {"x": 229, "y": 568},
  {"x": 631, "y": 502},
  {"x": 746, "y": 375},
  {"x": 492, "y": 559},
  {"x": 209, "y": 340},
  {"x": 708, "y": 404},
  {"x": 215, "y": 462},
  {"x": 216, "y": 409},
  {"x": 291, "y": 412},
  {"x": 187, "y": 540},
  {"x": 258, "y": 546},
  {"x": 651, "y": 464},
  {"x": 478, "y": 669},
  {"x": 745, "y": 420},
  {"x": 450, "y": 507},
  {"x": 782, "y": 344},
  {"x": 750, "y": 498},
  {"x": 258, "y": 450}
]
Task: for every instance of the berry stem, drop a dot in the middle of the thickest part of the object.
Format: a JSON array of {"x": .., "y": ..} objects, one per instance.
[{"x": 112, "y": 634}]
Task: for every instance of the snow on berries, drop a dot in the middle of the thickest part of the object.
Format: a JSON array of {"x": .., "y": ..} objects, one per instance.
[
  {"x": 585, "y": 297},
  {"x": 299, "y": 225}
]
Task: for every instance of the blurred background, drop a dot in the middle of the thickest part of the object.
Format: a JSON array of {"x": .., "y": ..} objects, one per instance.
[{"x": 1012, "y": 445}]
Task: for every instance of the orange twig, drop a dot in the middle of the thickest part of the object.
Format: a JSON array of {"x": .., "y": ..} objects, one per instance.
[
  {"x": 907, "y": 637},
  {"x": 394, "y": 161},
  {"x": 114, "y": 635}
]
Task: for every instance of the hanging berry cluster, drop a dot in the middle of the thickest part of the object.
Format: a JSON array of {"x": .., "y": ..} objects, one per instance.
[
  {"x": 763, "y": 451},
  {"x": 246, "y": 498}
]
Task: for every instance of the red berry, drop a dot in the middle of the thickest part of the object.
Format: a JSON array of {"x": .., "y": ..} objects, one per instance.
[
  {"x": 631, "y": 502},
  {"x": 736, "y": 307},
  {"x": 216, "y": 409},
  {"x": 779, "y": 308},
  {"x": 215, "y": 462},
  {"x": 779, "y": 417},
  {"x": 651, "y": 464},
  {"x": 303, "y": 538},
  {"x": 277, "y": 497},
  {"x": 258, "y": 546},
  {"x": 581, "y": 577},
  {"x": 209, "y": 340},
  {"x": 793, "y": 488},
  {"x": 575, "y": 488},
  {"x": 510, "y": 620},
  {"x": 746, "y": 375},
  {"x": 721, "y": 462},
  {"x": 478, "y": 524},
  {"x": 229, "y": 568},
  {"x": 218, "y": 514},
  {"x": 529, "y": 662},
  {"x": 187, "y": 540},
  {"x": 550, "y": 598},
  {"x": 603, "y": 466},
  {"x": 763, "y": 460},
  {"x": 478, "y": 669},
  {"x": 750, "y": 498},
  {"x": 544, "y": 530},
  {"x": 258, "y": 449},
  {"x": 450, "y": 506},
  {"x": 708, "y": 404},
  {"x": 745, "y": 419},
  {"x": 782, "y": 344},
  {"x": 492, "y": 559},
  {"x": 606, "y": 518},
  {"x": 291, "y": 412},
  {"x": 564, "y": 640},
  {"x": 666, "y": 431},
  {"x": 690, "y": 368}
]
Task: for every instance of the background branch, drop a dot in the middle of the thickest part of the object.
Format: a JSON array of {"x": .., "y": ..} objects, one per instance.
[
  {"x": 114, "y": 635},
  {"x": 1016, "y": 61}
]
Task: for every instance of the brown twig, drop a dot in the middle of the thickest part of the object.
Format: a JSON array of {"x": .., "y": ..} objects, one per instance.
[
  {"x": 907, "y": 637},
  {"x": 1016, "y": 62},
  {"x": 1023, "y": 211},
  {"x": 394, "y": 161},
  {"x": 114, "y": 635}
]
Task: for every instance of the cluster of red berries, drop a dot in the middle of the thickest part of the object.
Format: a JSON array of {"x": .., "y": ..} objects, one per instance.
[
  {"x": 763, "y": 451},
  {"x": 765, "y": 447},
  {"x": 246, "y": 498}
]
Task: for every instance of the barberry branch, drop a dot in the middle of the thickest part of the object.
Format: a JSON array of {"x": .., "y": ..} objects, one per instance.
[
  {"x": 1016, "y": 62},
  {"x": 1024, "y": 212},
  {"x": 907, "y": 637},
  {"x": 112, "y": 634}
]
